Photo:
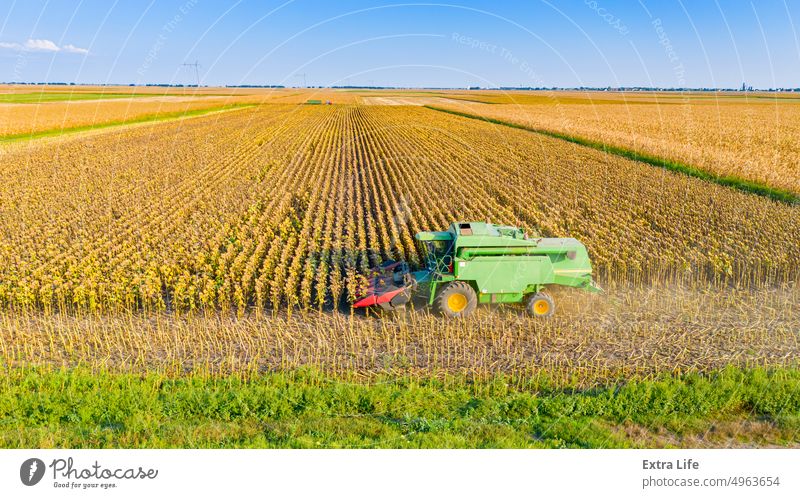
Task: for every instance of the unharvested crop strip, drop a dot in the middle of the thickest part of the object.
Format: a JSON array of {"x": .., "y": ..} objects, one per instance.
[{"x": 284, "y": 208}]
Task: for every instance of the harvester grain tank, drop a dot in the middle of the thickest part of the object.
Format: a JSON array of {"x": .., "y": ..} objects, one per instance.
[{"x": 476, "y": 262}]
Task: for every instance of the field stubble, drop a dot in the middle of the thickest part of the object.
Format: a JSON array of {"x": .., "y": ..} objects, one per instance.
[{"x": 630, "y": 333}]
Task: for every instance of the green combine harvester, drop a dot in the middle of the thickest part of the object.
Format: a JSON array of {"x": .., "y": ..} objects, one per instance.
[{"x": 475, "y": 262}]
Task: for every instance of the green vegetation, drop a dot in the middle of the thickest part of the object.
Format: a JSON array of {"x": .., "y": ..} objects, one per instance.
[
  {"x": 304, "y": 408},
  {"x": 679, "y": 167},
  {"x": 148, "y": 118}
]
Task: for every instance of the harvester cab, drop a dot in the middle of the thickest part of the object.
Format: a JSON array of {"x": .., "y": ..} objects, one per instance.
[
  {"x": 436, "y": 249},
  {"x": 476, "y": 262}
]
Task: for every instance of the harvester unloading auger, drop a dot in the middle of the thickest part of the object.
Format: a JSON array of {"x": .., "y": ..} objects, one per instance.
[{"x": 475, "y": 262}]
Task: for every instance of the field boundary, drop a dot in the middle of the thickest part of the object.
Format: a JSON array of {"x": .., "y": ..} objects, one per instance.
[
  {"x": 148, "y": 118},
  {"x": 747, "y": 186}
]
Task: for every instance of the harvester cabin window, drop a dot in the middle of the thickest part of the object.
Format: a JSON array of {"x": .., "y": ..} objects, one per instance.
[
  {"x": 438, "y": 248},
  {"x": 465, "y": 229}
]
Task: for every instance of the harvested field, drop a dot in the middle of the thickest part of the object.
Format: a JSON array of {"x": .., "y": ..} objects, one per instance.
[
  {"x": 629, "y": 333},
  {"x": 17, "y": 121},
  {"x": 753, "y": 140}
]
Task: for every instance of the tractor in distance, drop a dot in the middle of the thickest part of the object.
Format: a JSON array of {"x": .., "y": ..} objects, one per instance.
[{"x": 476, "y": 262}]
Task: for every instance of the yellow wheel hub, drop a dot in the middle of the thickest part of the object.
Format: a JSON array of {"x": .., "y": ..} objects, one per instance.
[
  {"x": 541, "y": 307},
  {"x": 457, "y": 302}
]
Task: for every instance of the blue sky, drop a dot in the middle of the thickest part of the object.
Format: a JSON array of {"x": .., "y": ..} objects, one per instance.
[{"x": 522, "y": 43}]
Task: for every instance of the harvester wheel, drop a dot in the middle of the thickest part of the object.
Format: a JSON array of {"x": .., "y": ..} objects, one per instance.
[
  {"x": 540, "y": 305},
  {"x": 456, "y": 299}
]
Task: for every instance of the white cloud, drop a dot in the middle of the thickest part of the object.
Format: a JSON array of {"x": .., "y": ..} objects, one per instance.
[
  {"x": 37, "y": 45},
  {"x": 43, "y": 45},
  {"x": 74, "y": 50}
]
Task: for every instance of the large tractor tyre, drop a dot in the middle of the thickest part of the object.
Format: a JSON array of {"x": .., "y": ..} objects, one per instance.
[
  {"x": 456, "y": 300},
  {"x": 540, "y": 305}
]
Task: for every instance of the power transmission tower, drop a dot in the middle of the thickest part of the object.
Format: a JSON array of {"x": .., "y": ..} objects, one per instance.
[
  {"x": 304, "y": 79},
  {"x": 196, "y": 66}
]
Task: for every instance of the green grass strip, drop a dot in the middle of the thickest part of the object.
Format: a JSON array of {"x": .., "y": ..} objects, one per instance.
[
  {"x": 735, "y": 182},
  {"x": 148, "y": 118},
  {"x": 78, "y": 408}
]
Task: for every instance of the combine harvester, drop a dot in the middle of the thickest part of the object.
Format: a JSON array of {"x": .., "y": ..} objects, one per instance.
[{"x": 475, "y": 262}]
